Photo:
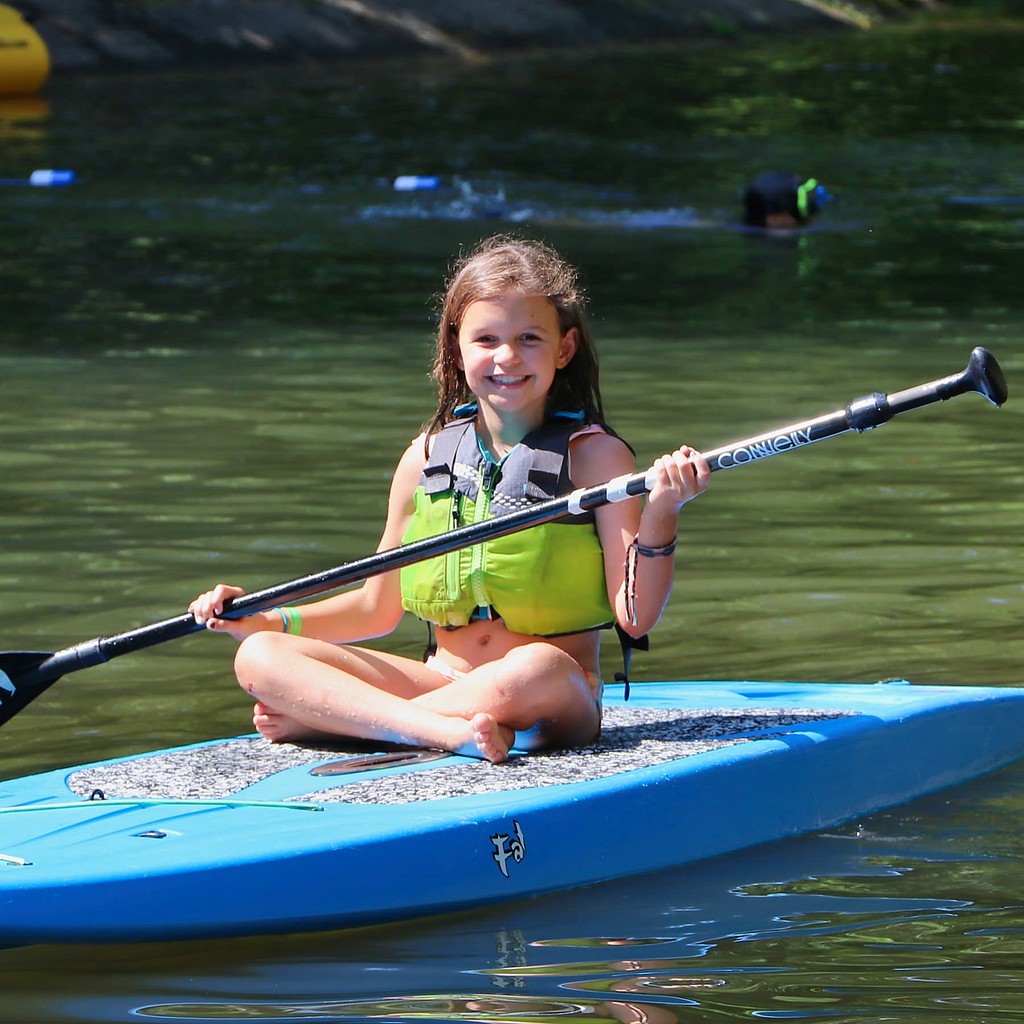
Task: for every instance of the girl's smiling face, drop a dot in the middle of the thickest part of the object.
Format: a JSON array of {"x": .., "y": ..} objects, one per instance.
[{"x": 509, "y": 350}]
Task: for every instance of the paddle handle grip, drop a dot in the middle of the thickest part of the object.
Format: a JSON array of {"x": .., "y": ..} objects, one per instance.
[{"x": 982, "y": 375}]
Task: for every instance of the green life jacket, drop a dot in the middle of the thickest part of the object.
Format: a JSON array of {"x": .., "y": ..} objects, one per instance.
[{"x": 546, "y": 580}]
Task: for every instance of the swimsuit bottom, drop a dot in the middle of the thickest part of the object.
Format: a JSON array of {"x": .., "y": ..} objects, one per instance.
[{"x": 436, "y": 663}]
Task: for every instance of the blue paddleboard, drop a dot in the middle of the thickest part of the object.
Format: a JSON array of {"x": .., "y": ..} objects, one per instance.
[{"x": 240, "y": 836}]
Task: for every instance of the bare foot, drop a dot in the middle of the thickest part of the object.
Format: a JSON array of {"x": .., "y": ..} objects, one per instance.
[
  {"x": 279, "y": 728},
  {"x": 488, "y": 739}
]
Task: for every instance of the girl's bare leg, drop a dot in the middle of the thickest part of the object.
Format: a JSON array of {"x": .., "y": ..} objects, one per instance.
[
  {"x": 491, "y": 740},
  {"x": 305, "y": 689},
  {"x": 536, "y": 688},
  {"x": 280, "y": 728}
]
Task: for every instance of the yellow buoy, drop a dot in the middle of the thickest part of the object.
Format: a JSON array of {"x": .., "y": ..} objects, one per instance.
[{"x": 24, "y": 59}]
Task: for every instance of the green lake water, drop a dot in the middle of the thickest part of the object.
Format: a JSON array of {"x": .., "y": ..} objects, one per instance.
[{"x": 214, "y": 346}]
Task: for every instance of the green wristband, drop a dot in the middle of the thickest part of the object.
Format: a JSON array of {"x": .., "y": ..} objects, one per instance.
[{"x": 292, "y": 619}]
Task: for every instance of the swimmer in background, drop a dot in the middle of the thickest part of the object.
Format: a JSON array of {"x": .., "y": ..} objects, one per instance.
[{"x": 779, "y": 201}]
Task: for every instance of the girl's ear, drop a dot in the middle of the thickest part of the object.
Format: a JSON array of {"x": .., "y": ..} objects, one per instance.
[{"x": 567, "y": 346}]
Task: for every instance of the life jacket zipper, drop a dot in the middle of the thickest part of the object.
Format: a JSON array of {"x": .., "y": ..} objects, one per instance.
[
  {"x": 486, "y": 477},
  {"x": 453, "y": 558}
]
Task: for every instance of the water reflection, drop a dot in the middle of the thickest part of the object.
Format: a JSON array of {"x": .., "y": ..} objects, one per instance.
[
  {"x": 484, "y": 1008},
  {"x": 23, "y": 118}
]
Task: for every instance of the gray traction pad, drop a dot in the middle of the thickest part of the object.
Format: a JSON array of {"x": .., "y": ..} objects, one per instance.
[{"x": 631, "y": 738}]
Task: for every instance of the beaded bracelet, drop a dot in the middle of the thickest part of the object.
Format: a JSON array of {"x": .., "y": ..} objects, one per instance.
[
  {"x": 633, "y": 553},
  {"x": 292, "y": 619},
  {"x": 642, "y": 549}
]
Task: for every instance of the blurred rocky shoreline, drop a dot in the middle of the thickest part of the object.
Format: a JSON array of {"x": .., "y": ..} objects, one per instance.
[{"x": 96, "y": 35}]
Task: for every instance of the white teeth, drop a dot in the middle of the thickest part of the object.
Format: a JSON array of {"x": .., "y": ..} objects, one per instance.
[{"x": 507, "y": 380}]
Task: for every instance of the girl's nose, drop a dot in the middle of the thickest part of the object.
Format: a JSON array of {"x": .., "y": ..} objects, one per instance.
[{"x": 506, "y": 352}]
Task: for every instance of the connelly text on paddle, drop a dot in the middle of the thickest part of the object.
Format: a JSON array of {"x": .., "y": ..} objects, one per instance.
[{"x": 763, "y": 448}]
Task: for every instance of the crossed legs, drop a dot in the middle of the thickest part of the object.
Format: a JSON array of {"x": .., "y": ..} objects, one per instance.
[{"x": 306, "y": 688}]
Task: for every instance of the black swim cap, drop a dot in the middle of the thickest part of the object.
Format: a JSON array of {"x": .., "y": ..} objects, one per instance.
[{"x": 781, "y": 192}]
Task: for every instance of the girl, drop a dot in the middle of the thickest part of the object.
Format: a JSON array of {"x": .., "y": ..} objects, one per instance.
[{"x": 519, "y": 419}]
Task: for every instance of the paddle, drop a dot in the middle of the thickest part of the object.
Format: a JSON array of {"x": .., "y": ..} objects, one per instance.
[{"x": 26, "y": 674}]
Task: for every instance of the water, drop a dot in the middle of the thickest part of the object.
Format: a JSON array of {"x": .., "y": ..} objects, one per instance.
[{"x": 214, "y": 347}]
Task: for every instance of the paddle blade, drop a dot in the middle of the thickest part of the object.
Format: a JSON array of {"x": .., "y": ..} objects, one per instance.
[{"x": 20, "y": 680}]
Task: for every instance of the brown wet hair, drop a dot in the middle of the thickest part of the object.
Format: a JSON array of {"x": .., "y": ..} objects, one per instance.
[{"x": 503, "y": 265}]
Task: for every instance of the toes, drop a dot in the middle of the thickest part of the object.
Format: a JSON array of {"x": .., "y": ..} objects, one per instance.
[{"x": 490, "y": 738}]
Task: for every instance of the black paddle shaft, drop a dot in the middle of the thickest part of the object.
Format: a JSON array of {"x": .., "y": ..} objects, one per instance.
[{"x": 25, "y": 674}]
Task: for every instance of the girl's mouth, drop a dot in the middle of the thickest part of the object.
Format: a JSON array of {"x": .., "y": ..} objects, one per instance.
[{"x": 507, "y": 380}]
